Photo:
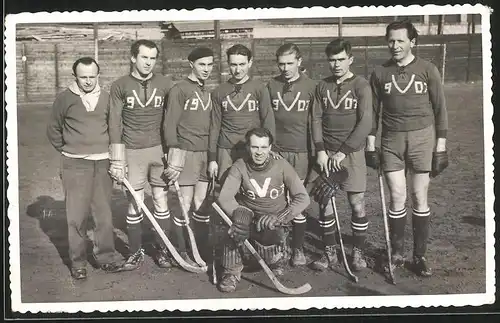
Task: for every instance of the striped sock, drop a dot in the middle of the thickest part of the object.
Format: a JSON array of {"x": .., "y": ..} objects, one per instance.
[
  {"x": 397, "y": 223},
  {"x": 298, "y": 231},
  {"x": 179, "y": 224},
  {"x": 163, "y": 219},
  {"x": 420, "y": 221},
  {"x": 327, "y": 225},
  {"x": 134, "y": 230},
  {"x": 359, "y": 227}
]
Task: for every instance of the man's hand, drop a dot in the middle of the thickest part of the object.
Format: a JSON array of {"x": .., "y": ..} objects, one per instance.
[
  {"x": 213, "y": 169},
  {"x": 117, "y": 162},
  {"x": 176, "y": 158},
  {"x": 322, "y": 161},
  {"x": 118, "y": 171},
  {"x": 240, "y": 230},
  {"x": 335, "y": 161},
  {"x": 373, "y": 158},
  {"x": 267, "y": 222}
]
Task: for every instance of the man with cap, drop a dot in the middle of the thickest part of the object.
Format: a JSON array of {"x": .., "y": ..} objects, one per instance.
[
  {"x": 186, "y": 127},
  {"x": 135, "y": 117}
]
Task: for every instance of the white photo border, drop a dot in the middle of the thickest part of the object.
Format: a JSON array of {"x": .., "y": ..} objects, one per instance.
[{"x": 284, "y": 303}]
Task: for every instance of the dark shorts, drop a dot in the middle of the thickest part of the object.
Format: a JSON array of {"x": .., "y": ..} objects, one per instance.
[
  {"x": 299, "y": 161},
  {"x": 413, "y": 149},
  {"x": 145, "y": 165},
  {"x": 226, "y": 158},
  {"x": 195, "y": 168},
  {"x": 355, "y": 164}
]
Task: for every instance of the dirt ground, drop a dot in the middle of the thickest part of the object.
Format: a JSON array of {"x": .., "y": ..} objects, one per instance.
[{"x": 456, "y": 247}]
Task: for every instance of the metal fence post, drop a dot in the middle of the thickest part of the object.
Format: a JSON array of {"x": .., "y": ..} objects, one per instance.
[{"x": 56, "y": 67}]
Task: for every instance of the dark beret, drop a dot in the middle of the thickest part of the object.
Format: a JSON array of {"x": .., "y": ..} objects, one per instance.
[{"x": 200, "y": 52}]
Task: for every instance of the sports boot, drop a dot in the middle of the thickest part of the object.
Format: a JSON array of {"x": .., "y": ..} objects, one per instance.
[
  {"x": 162, "y": 258},
  {"x": 328, "y": 260},
  {"x": 298, "y": 257},
  {"x": 228, "y": 283},
  {"x": 420, "y": 266},
  {"x": 398, "y": 261},
  {"x": 358, "y": 261},
  {"x": 134, "y": 261}
]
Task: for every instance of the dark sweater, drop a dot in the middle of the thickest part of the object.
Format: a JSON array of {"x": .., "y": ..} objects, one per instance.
[{"x": 75, "y": 130}]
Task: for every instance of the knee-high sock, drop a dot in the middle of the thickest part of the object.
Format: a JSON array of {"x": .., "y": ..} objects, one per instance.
[
  {"x": 359, "y": 227},
  {"x": 164, "y": 221},
  {"x": 327, "y": 225},
  {"x": 397, "y": 223},
  {"x": 179, "y": 227},
  {"x": 201, "y": 225},
  {"x": 420, "y": 221},
  {"x": 298, "y": 231},
  {"x": 134, "y": 230}
]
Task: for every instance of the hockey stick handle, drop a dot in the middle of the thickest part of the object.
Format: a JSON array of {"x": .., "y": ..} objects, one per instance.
[
  {"x": 386, "y": 225},
  {"x": 285, "y": 290},
  {"x": 159, "y": 230}
]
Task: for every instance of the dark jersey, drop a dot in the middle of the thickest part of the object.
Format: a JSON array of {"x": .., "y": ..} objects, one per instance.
[
  {"x": 412, "y": 97},
  {"x": 236, "y": 109},
  {"x": 136, "y": 110},
  {"x": 187, "y": 116},
  {"x": 291, "y": 102},
  {"x": 342, "y": 114},
  {"x": 263, "y": 191}
]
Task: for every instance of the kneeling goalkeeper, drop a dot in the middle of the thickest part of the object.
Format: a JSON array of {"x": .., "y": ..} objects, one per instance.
[{"x": 255, "y": 196}]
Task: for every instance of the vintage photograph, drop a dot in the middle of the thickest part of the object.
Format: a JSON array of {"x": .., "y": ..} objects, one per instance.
[{"x": 250, "y": 159}]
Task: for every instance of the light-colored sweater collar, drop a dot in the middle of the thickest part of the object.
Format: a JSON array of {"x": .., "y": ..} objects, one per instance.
[{"x": 90, "y": 99}]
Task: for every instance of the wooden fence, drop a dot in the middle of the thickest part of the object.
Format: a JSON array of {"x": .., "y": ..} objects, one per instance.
[{"x": 46, "y": 69}]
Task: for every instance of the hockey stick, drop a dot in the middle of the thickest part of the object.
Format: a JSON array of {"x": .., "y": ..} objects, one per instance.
[
  {"x": 285, "y": 290},
  {"x": 212, "y": 196},
  {"x": 162, "y": 234},
  {"x": 192, "y": 240},
  {"x": 344, "y": 258},
  {"x": 386, "y": 226}
]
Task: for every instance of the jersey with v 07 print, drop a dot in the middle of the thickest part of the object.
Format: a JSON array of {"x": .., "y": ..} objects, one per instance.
[
  {"x": 291, "y": 102},
  {"x": 187, "y": 116},
  {"x": 136, "y": 110},
  {"x": 409, "y": 97},
  {"x": 236, "y": 109},
  {"x": 341, "y": 114}
]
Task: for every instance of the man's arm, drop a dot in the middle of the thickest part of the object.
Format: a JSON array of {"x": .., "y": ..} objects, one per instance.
[
  {"x": 229, "y": 189},
  {"x": 299, "y": 198},
  {"x": 173, "y": 112},
  {"x": 364, "y": 116},
  {"x": 215, "y": 125},
  {"x": 115, "y": 114},
  {"x": 438, "y": 101},
  {"x": 266, "y": 110},
  {"x": 55, "y": 125},
  {"x": 317, "y": 120}
]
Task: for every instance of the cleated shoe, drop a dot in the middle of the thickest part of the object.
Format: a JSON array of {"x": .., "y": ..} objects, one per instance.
[
  {"x": 110, "y": 267},
  {"x": 163, "y": 259},
  {"x": 358, "y": 261},
  {"x": 228, "y": 283},
  {"x": 328, "y": 260},
  {"x": 79, "y": 273},
  {"x": 420, "y": 266},
  {"x": 134, "y": 261},
  {"x": 398, "y": 261},
  {"x": 298, "y": 257}
]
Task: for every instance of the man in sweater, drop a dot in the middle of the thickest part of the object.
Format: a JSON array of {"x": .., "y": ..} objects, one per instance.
[
  {"x": 135, "y": 115},
  {"x": 292, "y": 93},
  {"x": 78, "y": 129},
  {"x": 185, "y": 132},
  {"x": 239, "y": 105},
  {"x": 255, "y": 195},
  {"x": 341, "y": 120},
  {"x": 413, "y": 139}
]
